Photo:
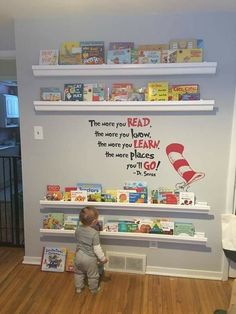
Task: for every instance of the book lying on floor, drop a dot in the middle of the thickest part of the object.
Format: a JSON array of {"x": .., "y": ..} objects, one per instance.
[{"x": 53, "y": 259}]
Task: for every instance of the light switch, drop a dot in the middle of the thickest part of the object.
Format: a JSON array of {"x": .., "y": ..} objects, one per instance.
[{"x": 38, "y": 132}]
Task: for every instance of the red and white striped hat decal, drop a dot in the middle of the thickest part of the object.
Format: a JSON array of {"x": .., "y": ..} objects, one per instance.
[{"x": 174, "y": 152}]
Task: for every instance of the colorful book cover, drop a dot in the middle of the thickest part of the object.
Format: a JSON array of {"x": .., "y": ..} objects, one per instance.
[
  {"x": 79, "y": 196},
  {"x": 53, "y": 221},
  {"x": 119, "y": 56},
  {"x": 172, "y": 56},
  {"x": 138, "y": 197},
  {"x": 158, "y": 91},
  {"x": 99, "y": 92},
  {"x": 186, "y": 198},
  {"x": 53, "y": 192},
  {"x": 53, "y": 259},
  {"x": 71, "y": 221},
  {"x": 189, "y": 55},
  {"x": 138, "y": 186},
  {"x": 70, "y": 257},
  {"x": 134, "y": 56},
  {"x": 48, "y": 57},
  {"x": 88, "y": 92},
  {"x": 149, "y": 56},
  {"x": 94, "y": 191},
  {"x": 73, "y": 92},
  {"x": 67, "y": 193},
  {"x": 123, "y": 195},
  {"x": 50, "y": 94},
  {"x": 121, "y": 91},
  {"x": 195, "y": 96},
  {"x": 93, "y": 52},
  {"x": 111, "y": 195},
  {"x": 70, "y": 53},
  {"x": 184, "y": 228},
  {"x": 111, "y": 226},
  {"x": 176, "y": 92}
]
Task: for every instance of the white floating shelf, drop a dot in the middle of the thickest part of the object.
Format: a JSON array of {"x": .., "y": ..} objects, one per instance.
[
  {"x": 203, "y": 209},
  {"x": 132, "y": 236},
  {"x": 110, "y": 106},
  {"x": 125, "y": 69}
]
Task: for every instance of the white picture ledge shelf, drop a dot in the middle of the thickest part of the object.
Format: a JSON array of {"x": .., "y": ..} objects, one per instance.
[
  {"x": 131, "y": 236},
  {"x": 125, "y": 69},
  {"x": 199, "y": 209},
  {"x": 110, "y": 106}
]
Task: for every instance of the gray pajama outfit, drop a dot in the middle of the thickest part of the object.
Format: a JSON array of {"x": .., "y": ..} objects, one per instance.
[{"x": 86, "y": 257}]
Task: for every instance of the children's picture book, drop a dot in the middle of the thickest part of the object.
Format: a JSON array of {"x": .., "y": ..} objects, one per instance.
[
  {"x": 88, "y": 92},
  {"x": 50, "y": 94},
  {"x": 123, "y": 195},
  {"x": 70, "y": 257},
  {"x": 109, "y": 195},
  {"x": 67, "y": 193},
  {"x": 99, "y": 92},
  {"x": 71, "y": 221},
  {"x": 158, "y": 91},
  {"x": 177, "y": 92},
  {"x": 48, "y": 57},
  {"x": 53, "y": 192},
  {"x": 186, "y": 198},
  {"x": 121, "y": 91},
  {"x": 184, "y": 229},
  {"x": 53, "y": 221},
  {"x": 119, "y": 56},
  {"x": 149, "y": 56},
  {"x": 93, "y": 52},
  {"x": 94, "y": 191},
  {"x": 53, "y": 259},
  {"x": 70, "y": 53},
  {"x": 189, "y": 55},
  {"x": 79, "y": 196},
  {"x": 73, "y": 92}
]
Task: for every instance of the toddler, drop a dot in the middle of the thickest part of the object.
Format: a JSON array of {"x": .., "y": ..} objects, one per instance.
[{"x": 88, "y": 251}]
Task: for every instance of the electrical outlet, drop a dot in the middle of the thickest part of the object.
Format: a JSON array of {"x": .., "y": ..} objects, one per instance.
[{"x": 38, "y": 132}]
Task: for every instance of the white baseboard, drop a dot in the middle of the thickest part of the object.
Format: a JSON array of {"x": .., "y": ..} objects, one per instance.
[
  {"x": 32, "y": 260},
  {"x": 152, "y": 270},
  {"x": 188, "y": 273}
]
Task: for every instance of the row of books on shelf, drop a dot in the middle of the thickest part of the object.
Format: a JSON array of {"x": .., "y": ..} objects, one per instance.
[
  {"x": 62, "y": 221},
  {"x": 94, "y": 52},
  {"x": 154, "y": 91},
  {"x": 132, "y": 192}
]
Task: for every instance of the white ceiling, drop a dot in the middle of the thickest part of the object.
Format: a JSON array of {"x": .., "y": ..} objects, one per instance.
[{"x": 10, "y": 9}]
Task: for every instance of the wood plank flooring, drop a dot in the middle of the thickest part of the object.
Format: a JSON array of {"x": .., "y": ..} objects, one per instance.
[{"x": 25, "y": 289}]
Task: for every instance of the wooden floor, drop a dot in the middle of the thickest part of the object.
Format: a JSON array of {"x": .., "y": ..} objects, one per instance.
[{"x": 25, "y": 289}]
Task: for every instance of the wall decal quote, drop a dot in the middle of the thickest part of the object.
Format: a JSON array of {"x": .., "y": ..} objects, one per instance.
[{"x": 132, "y": 140}]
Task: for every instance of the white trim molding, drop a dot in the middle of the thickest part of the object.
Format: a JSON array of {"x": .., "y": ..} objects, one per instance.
[{"x": 187, "y": 273}]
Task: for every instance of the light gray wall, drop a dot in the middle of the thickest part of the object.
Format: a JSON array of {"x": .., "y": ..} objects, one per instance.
[
  {"x": 69, "y": 152},
  {"x": 7, "y": 34}
]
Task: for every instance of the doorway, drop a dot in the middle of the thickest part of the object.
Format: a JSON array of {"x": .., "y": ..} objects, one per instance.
[{"x": 11, "y": 195}]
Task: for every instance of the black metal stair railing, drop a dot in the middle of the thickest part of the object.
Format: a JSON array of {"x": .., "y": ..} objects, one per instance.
[{"x": 11, "y": 202}]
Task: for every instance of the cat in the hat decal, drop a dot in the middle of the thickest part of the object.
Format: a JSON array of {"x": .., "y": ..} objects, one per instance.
[{"x": 174, "y": 152}]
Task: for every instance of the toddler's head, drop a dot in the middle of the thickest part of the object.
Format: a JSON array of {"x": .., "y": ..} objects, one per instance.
[{"x": 88, "y": 215}]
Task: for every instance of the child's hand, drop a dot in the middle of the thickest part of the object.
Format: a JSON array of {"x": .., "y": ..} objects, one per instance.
[{"x": 104, "y": 261}]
